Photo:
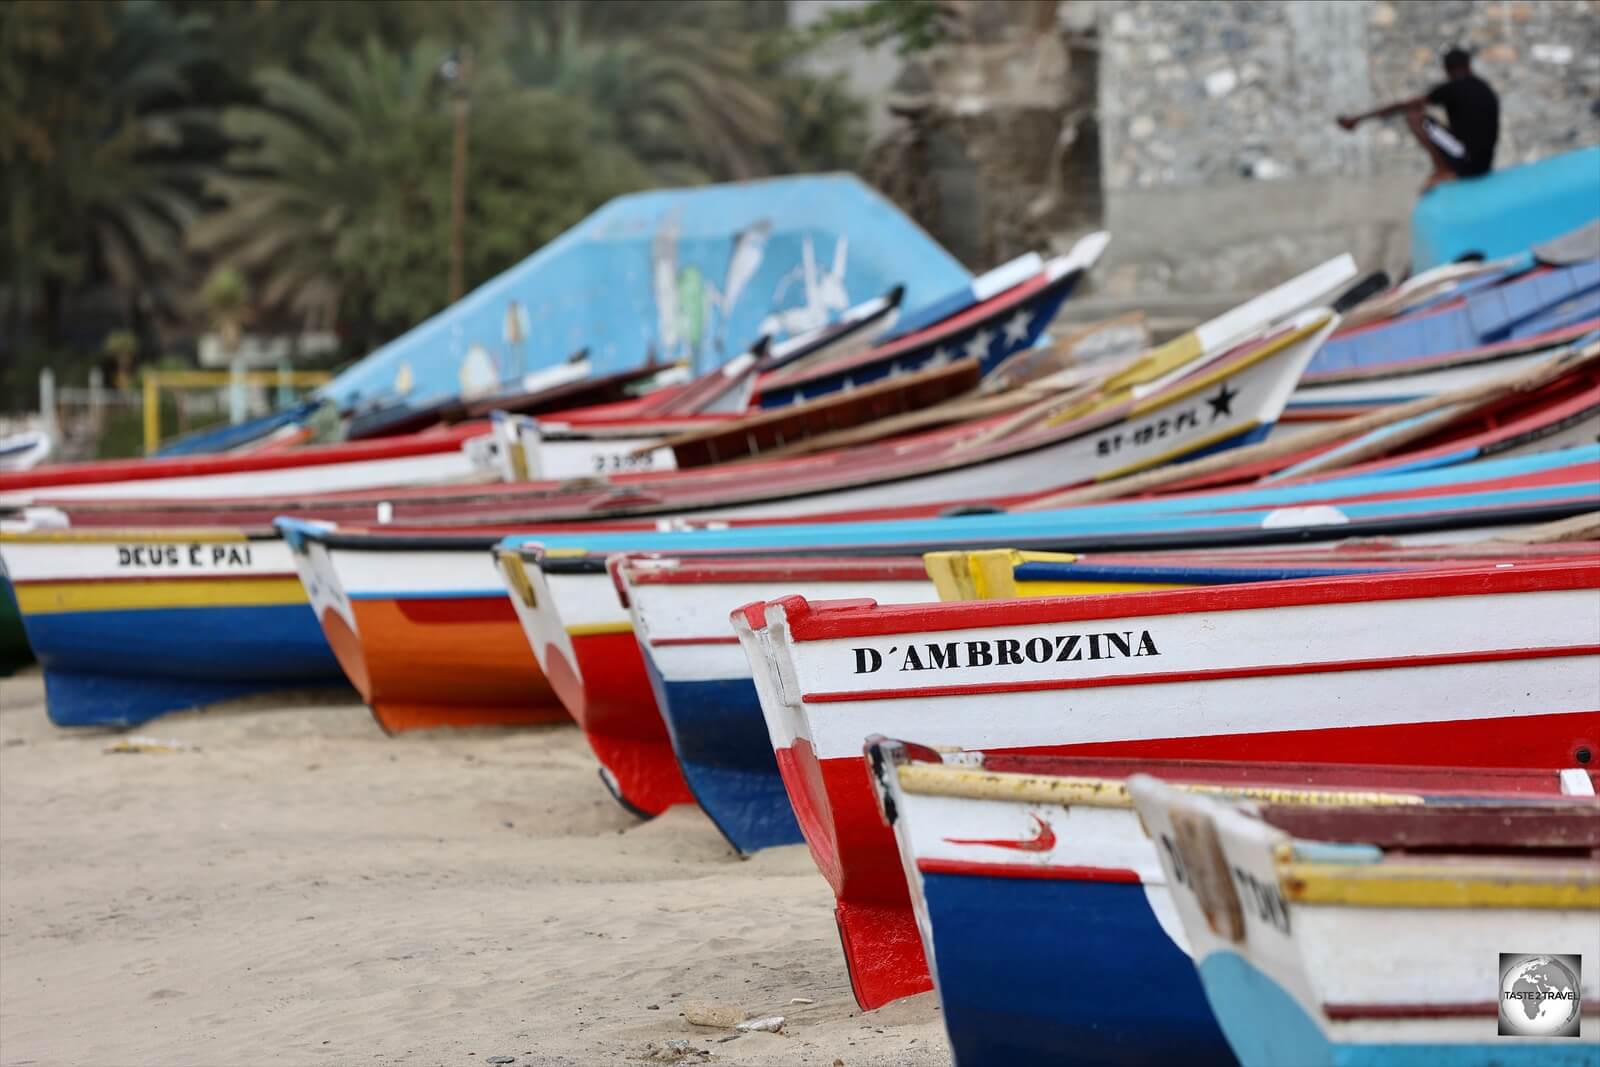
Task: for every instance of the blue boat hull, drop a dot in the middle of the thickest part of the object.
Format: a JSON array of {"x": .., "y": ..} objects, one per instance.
[
  {"x": 1506, "y": 212},
  {"x": 725, "y": 753},
  {"x": 1058, "y": 970},
  {"x": 122, "y": 668},
  {"x": 1268, "y": 1028}
]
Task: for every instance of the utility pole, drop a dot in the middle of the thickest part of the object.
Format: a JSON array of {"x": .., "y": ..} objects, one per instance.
[{"x": 459, "y": 73}]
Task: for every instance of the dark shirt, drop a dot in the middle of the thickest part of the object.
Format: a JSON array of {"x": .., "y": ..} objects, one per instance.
[{"x": 1474, "y": 112}]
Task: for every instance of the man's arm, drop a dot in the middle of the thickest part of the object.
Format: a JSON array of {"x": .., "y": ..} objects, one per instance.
[{"x": 1350, "y": 122}]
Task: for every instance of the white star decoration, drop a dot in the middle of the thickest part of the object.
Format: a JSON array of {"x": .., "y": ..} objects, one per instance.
[
  {"x": 1017, "y": 327},
  {"x": 941, "y": 356},
  {"x": 978, "y": 347}
]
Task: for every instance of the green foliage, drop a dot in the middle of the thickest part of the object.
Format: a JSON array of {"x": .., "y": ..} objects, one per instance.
[
  {"x": 216, "y": 161},
  {"x": 913, "y": 25},
  {"x": 96, "y": 116}
]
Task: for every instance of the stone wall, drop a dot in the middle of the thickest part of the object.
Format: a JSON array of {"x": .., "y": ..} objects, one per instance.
[{"x": 1201, "y": 132}]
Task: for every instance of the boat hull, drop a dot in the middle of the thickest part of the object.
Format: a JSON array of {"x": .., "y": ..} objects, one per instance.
[
  {"x": 432, "y": 657},
  {"x": 15, "y": 652},
  {"x": 1458, "y": 692},
  {"x": 128, "y": 629}
]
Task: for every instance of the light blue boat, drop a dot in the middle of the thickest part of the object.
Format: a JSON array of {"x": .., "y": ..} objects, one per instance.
[{"x": 1507, "y": 211}]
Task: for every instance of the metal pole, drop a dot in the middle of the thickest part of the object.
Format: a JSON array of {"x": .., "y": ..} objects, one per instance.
[{"x": 458, "y": 178}]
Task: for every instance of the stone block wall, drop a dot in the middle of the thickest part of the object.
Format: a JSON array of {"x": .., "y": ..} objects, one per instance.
[{"x": 1201, "y": 132}]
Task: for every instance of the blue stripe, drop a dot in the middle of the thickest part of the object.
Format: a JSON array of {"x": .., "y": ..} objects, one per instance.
[
  {"x": 1157, "y": 515},
  {"x": 1044, "y": 571},
  {"x": 121, "y": 668},
  {"x": 1036, "y": 971},
  {"x": 725, "y": 752}
]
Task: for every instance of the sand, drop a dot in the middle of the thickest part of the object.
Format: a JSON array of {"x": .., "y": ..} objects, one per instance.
[{"x": 302, "y": 889}]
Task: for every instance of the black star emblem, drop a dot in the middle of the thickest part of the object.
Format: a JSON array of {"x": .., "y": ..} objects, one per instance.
[{"x": 1222, "y": 403}]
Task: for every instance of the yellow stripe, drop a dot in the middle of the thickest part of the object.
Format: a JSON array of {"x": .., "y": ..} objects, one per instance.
[
  {"x": 594, "y": 629},
  {"x": 1458, "y": 884},
  {"x": 1185, "y": 348},
  {"x": 1089, "y": 588},
  {"x": 1181, "y": 450},
  {"x": 1215, "y": 374},
  {"x": 938, "y": 779},
  {"x": 565, "y": 553},
  {"x": 104, "y": 536},
  {"x": 46, "y": 598}
]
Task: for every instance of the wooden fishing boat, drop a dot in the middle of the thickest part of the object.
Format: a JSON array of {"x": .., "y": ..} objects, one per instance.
[
  {"x": 1338, "y": 394},
  {"x": 74, "y": 566},
  {"x": 1517, "y": 305},
  {"x": 989, "y": 332},
  {"x": 1029, "y": 873},
  {"x": 677, "y": 612},
  {"x": 24, "y": 451},
  {"x": 927, "y": 468},
  {"x": 584, "y": 637},
  {"x": 127, "y": 629},
  {"x": 702, "y": 685},
  {"x": 1296, "y": 917},
  {"x": 1227, "y": 400},
  {"x": 1408, "y": 667},
  {"x": 432, "y": 658}
]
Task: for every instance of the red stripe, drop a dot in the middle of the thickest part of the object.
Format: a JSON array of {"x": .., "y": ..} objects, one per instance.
[
  {"x": 1213, "y": 675},
  {"x": 418, "y": 444},
  {"x": 457, "y": 609},
  {"x": 865, "y": 618},
  {"x": 669, "y": 642},
  {"x": 1028, "y": 870},
  {"x": 1387, "y": 1010}
]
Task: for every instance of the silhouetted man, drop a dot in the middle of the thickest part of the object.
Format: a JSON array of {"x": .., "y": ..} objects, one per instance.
[{"x": 1465, "y": 147}]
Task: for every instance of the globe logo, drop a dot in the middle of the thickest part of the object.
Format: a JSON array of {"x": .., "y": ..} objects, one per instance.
[{"x": 1539, "y": 995}]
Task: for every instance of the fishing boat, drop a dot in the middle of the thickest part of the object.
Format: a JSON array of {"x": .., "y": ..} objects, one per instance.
[
  {"x": 25, "y": 450},
  {"x": 76, "y": 563},
  {"x": 678, "y": 614},
  {"x": 1030, "y": 873},
  {"x": 1488, "y": 324},
  {"x": 1501, "y": 213},
  {"x": 128, "y": 627},
  {"x": 960, "y": 463},
  {"x": 1296, "y": 919},
  {"x": 1399, "y": 667},
  {"x": 431, "y": 658},
  {"x": 990, "y": 332},
  {"x": 702, "y": 683},
  {"x": 583, "y": 634}
]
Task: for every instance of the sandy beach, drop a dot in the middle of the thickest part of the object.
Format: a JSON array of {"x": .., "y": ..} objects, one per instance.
[{"x": 295, "y": 887}]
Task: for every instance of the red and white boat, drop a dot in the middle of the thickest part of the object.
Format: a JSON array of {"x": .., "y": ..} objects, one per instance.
[{"x": 1496, "y": 667}]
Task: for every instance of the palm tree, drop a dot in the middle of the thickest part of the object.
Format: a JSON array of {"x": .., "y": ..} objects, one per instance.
[
  {"x": 98, "y": 145},
  {"x": 337, "y": 196},
  {"x": 688, "y": 103}
]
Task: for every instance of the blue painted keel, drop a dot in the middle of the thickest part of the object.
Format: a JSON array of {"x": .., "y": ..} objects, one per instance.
[
  {"x": 1268, "y": 1028},
  {"x": 725, "y": 754},
  {"x": 122, "y": 668},
  {"x": 1056, "y": 970}
]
